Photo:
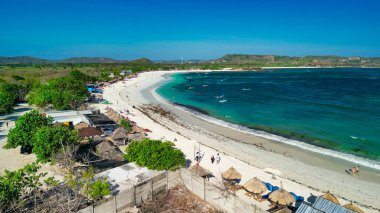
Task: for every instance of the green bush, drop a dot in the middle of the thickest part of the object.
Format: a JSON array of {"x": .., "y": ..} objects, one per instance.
[
  {"x": 26, "y": 126},
  {"x": 99, "y": 189},
  {"x": 48, "y": 141},
  {"x": 16, "y": 185},
  {"x": 126, "y": 124},
  {"x": 155, "y": 154}
]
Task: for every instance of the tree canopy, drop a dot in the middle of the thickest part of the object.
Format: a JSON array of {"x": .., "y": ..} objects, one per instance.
[
  {"x": 26, "y": 126},
  {"x": 62, "y": 93},
  {"x": 155, "y": 154},
  {"x": 48, "y": 141},
  {"x": 15, "y": 185},
  {"x": 8, "y": 97}
]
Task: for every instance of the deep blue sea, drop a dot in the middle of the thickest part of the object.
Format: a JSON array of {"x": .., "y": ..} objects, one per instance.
[{"x": 333, "y": 108}]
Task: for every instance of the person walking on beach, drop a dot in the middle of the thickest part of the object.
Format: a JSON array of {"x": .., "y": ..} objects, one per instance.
[
  {"x": 212, "y": 159},
  {"x": 357, "y": 170},
  {"x": 7, "y": 124},
  {"x": 353, "y": 171},
  {"x": 217, "y": 158}
]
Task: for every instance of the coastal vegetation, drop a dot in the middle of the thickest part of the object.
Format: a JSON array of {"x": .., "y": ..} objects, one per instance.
[
  {"x": 155, "y": 154},
  {"x": 26, "y": 127},
  {"x": 16, "y": 186},
  {"x": 126, "y": 125},
  {"x": 34, "y": 130},
  {"x": 61, "y": 93},
  {"x": 48, "y": 141}
]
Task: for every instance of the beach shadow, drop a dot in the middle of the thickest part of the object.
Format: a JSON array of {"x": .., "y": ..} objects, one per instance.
[
  {"x": 348, "y": 171},
  {"x": 23, "y": 109},
  {"x": 188, "y": 163},
  {"x": 11, "y": 118},
  {"x": 312, "y": 199}
]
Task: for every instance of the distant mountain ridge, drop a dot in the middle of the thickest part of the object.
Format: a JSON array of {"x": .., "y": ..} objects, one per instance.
[
  {"x": 27, "y": 60},
  {"x": 229, "y": 59}
]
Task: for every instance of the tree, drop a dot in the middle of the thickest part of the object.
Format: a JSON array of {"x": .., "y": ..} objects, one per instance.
[
  {"x": 48, "y": 141},
  {"x": 15, "y": 186},
  {"x": 26, "y": 126},
  {"x": 155, "y": 154},
  {"x": 126, "y": 124},
  {"x": 62, "y": 93},
  {"x": 8, "y": 97}
]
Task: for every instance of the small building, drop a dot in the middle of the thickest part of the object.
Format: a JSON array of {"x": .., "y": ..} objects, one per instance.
[
  {"x": 89, "y": 132},
  {"x": 69, "y": 117},
  {"x": 125, "y": 72},
  {"x": 102, "y": 122}
]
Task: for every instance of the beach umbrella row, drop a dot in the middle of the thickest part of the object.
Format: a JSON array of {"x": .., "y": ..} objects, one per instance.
[{"x": 350, "y": 206}]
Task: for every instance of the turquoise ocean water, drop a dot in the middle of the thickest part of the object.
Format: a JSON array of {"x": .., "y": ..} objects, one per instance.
[{"x": 337, "y": 109}]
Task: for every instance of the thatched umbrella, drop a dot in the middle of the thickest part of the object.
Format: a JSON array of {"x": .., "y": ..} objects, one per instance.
[
  {"x": 283, "y": 210},
  {"x": 330, "y": 197},
  {"x": 354, "y": 208},
  {"x": 231, "y": 174},
  {"x": 198, "y": 170},
  {"x": 281, "y": 197},
  {"x": 255, "y": 186}
]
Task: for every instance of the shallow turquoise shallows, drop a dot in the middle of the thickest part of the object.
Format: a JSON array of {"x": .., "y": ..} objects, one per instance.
[{"x": 337, "y": 109}]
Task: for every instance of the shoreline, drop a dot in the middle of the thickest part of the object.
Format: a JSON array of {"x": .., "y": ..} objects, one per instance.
[
  {"x": 306, "y": 174},
  {"x": 304, "y": 145}
]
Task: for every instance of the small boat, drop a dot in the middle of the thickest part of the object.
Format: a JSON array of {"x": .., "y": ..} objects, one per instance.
[
  {"x": 204, "y": 85},
  {"x": 246, "y": 89},
  {"x": 222, "y": 101},
  {"x": 191, "y": 87},
  {"x": 219, "y": 96}
]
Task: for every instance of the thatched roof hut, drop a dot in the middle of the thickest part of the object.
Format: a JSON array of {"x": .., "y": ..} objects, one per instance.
[
  {"x": 89, "y": 132},
  {"x": 107, "y": 151},
  {"x": 231, "y": 174},
  {"x": 136, "y": 137},
  {"x": 137, "y": 129},
  {"x": 119, "y": 133},
  {"x": 255, "y": 186},
  {"x": 330, "y": 197},
  {"x": 281, "y": 197},
  {"x": 81, "y": 125},
  {"x": 198, "y": 170},
  {"x": 354, "y": 208}
]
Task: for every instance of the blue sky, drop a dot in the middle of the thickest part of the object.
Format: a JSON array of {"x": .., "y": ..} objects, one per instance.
[{"x": 193, "y": 29}]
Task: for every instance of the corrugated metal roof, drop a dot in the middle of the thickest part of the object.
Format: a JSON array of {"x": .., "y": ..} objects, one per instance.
[
  {"x": 66, "y": 113},
  {"x": 306, "y": 208},
  {"x": 329, "y": 207}
]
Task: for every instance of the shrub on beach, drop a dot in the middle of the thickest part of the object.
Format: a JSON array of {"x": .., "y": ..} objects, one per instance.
[
  {"x": 155, "y": 154},
  {"x": 26, "y": 126},
  {"x": 126, "y": 124}
]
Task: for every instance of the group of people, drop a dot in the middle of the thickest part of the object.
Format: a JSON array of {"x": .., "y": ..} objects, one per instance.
[
  {"x": 217, "y": 159},
  {"x": 355, "y": 170},
  {"x": 199, "y": 156}
]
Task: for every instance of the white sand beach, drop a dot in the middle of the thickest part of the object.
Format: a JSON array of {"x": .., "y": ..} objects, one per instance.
[{"x": 305, "y": 173}]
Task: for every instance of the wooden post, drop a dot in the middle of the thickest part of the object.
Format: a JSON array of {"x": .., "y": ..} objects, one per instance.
[
  {"x": 115, "y": 203},
  {"x": 167, "y": 181},
  {"x": 151, "y": 183},
  {"x": 204, "y": 189},
  {"x": 254, "y": 210},
  {"x": 134, "y": 195}
]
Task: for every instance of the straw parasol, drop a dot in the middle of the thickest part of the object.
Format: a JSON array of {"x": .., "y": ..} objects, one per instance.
[
  {"x": 255, "y": 186},
  {"x": 281, "y": 197},
  {"x": 283, "y": 210},
  {"x": 352, "y": 207},
  {"x": 198, "y": 170},
  {"x": 330, "y": 197},
  {"x": 231, "y": 174}
]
